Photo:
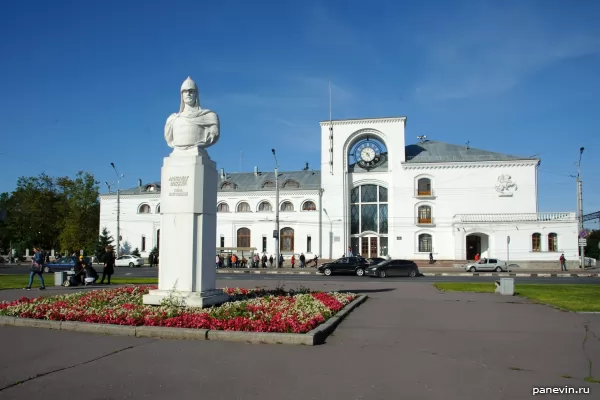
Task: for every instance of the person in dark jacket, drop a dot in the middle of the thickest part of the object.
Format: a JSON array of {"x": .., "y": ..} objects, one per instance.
[
  {"x": 109, "y": 265},
  {"x": 91, "y": 275},
  {"x": 79, "y": 269}
]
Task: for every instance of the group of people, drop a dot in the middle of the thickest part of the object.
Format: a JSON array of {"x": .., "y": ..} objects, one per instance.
[
  {"x": 256, "y": 261},
  {"x": 83, "y": 273}
]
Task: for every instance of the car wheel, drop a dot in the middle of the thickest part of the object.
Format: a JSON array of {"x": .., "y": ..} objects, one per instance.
[
  {"x": 498, "y": 269},
  {"x": 46, "y": 269},
  {"x": 131, "y": 265},
  {"x": 412, "y": 273},
  {"x": 360, "y": 272},
  {"x": 473, "y": 269},
  {"x": 66, "y": 283},
  {"x": 327, "y": 271},
  {"x": 382, "y": 274}
]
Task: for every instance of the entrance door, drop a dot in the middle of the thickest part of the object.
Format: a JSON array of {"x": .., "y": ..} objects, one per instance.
[
  {"x": 369, "y": 247},
  {"x": 473, "y": 246}
]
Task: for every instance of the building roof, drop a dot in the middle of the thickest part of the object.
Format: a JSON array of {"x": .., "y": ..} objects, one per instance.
[
  {"x": 428, "y": 151},
  {"x": 431, "y": 151},
  {"x": 251, "y": 181}
]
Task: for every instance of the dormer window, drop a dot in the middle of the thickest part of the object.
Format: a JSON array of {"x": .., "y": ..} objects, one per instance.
[
  {"x": 291, "y": 184},
  {"x": 268, "y": 185},
  {"x": 228, "y": 186}
]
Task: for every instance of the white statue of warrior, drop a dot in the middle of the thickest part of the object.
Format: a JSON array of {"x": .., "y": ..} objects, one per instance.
[{"x": 192, "y": 129}]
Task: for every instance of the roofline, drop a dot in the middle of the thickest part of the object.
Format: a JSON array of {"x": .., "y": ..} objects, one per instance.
[
  {"x": 363, "y": 120},
  {"x": 519, "y": 160}
]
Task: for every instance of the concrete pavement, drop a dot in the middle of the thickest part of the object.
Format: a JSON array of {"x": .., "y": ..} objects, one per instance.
[{"x": 408, "y": 340}]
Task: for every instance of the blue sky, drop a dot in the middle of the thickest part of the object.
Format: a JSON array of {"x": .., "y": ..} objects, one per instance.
[{"x": 86, "y": 83}]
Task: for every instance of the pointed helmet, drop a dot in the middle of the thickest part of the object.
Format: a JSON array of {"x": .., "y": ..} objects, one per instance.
[{"x": 189, "y": 84}]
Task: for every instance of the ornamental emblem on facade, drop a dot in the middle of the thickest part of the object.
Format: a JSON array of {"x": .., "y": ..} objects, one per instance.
[{"x": 505, "y": 185}]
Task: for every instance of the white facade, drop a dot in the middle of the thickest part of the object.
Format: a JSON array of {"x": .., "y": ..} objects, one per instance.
[{"x": 449, "y": 200}]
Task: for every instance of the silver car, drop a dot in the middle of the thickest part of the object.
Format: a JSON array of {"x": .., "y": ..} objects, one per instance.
[{"x": 487, "y": 264}]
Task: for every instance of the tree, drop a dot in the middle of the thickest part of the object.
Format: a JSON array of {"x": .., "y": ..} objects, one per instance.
[
  {"x": 104, "y": 240},
  {"x": 80, "y": 210},
  {"x": 125, "y": 248},
  {"x": 591, "y": 249},
  {"x": 33, "y": 212}
]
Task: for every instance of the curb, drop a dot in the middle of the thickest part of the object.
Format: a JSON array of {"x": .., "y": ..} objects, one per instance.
[
  {"x": 314, "y": 337},
  {"x": 532, "y": 275}
]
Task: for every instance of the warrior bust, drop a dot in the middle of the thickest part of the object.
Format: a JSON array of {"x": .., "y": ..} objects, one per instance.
[{"x": 192, "y": 129}]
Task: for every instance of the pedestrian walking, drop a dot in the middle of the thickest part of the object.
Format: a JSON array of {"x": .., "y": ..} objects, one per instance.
[
  {"x": 563, "y": 262},
  {"x": 37, "y": 268}
]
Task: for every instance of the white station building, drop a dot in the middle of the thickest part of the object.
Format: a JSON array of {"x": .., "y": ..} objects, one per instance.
[{"x": 379, "y": 197}]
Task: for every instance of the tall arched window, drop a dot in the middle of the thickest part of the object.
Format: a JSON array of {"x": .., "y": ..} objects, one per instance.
[
  {"x": 424, "y": 216},
  {"x": 536, "y": 242},
  {"x": 223, "y": 207},
  {"x": 144, "y": 209},
  {"x": 287, "y": 206},
  {"x": 425, "y": 243},
  {"x": 424, "y": 187},
  {"x": 243, "y": 237},
  {"x": 309, "y": 206},
  {"x": 243, "y": 207},
  {"x": 287, "y": 240},
  {"x": 265, "y": 206},
  {"x": 552, "y": 242}
]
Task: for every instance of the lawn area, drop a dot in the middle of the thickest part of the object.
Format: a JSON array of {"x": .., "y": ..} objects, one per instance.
[
  {"x": 20, "y": 281},
  {"x": 566, "y": 297}
]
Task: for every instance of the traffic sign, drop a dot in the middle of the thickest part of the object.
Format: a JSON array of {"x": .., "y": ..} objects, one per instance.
[
  {"x": 583, "y": 242},
  {"x": 583, "y": 234}
]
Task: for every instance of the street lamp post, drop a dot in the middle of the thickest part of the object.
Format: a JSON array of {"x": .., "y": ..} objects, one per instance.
[
  {"x": 580, "y": 209},
  {"x": 277, "y": 234},
  {"x": 330, "y": 233},
  {"x": 118, "y": 209}
]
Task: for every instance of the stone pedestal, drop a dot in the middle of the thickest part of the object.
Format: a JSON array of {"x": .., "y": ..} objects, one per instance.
[{"x": 188, "y": 230}]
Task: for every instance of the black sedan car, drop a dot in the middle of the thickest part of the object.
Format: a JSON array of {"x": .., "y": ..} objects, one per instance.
[
  {"x": 394, "y": 268},
  {"x": 345, "y": 265}
]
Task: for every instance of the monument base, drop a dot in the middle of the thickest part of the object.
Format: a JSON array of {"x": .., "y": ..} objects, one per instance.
[{"x": 190, "y": 299}]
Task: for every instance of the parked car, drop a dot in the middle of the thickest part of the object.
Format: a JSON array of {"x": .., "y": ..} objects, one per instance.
[
  {"x": 64, "y": 264},
  {"x": 394, "y": 268},
  {"x": 345, "y": 265},
  {"x": 375, "y": 260},
  {"x": 487, "y": 264},
  {"x": 129, "y": 261}
]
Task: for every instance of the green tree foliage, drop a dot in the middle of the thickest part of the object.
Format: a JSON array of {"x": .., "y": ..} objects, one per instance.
[
  {"x": 104, "y": 240},
  {"x": 53, "y": 213},
  {"x": 80, "y": 210},
  {"x": 591, "y": 250}
]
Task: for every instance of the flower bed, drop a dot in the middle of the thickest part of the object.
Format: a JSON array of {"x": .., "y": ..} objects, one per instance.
[{"x": 254, "y": 310}]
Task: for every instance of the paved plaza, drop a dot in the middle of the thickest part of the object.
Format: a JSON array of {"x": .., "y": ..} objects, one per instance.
[{"x": 408, "y": 340}]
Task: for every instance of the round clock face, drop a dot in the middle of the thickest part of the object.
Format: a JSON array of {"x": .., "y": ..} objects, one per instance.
[{"x": 368, "y": 154}]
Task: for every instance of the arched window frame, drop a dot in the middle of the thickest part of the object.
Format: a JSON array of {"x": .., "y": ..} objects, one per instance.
[
  {"x": 424, "y": 245},
  {"x": 264, "y": 206},
  {"x": 243, "y": 237},
  {"x": 243, "y": 204},
  {"x": 536, "y": 242},
  {"x": 268, "y": 185},
  {"x": 422, "y": 190},
  {"x": 223, "y": 207},
  {"x": 284, "y": 245},
  {"x": 227, "y": 185},
  {"x": 158, "y": 208},
  {"x": 286, "y": 206},
  {"x": 309, "y": 205},
  {"x": 291, "y": 184},
  {"x": 144, "y": 206},
  {"x": 424, "y": 214}
]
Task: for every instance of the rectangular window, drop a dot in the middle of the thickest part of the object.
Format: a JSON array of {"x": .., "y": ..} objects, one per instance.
[
  {"x": 383, "y": 246},
  {"x": 222, "y": 244},
  {"x": 264, "y": 244},
  {"x": 143, "y": 242},
  {"x": 309, "y": 244},
  {"x": 368, "y": 217}
]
